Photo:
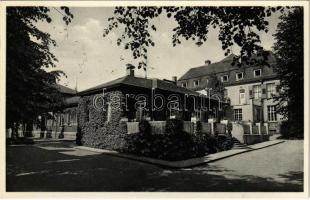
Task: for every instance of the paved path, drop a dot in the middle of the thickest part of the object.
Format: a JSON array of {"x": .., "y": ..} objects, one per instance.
[{"x": 59, "y": 167}]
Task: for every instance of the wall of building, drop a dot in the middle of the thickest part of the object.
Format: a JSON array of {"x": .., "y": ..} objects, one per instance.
[
  {"x": 250, "y": 103},
  {"x": 102, "y": 128}
]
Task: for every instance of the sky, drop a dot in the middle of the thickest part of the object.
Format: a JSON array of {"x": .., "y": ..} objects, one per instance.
[{"x": 89, "y": 59}]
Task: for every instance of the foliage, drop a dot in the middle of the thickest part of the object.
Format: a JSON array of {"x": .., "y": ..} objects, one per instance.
[
  {"x": 181, "y": 146},
  {"x": 216, "y": 85},
  {"x": 145, "y": 127},
  {"x": 289, "y": 52},
  {"x": 288, "y": 131},
  {"x": 174, "y": 126},
  {"x": 93, "y": 128},
  {"x": 237, "y": 25},
  {"x": 30, "y": 88}
]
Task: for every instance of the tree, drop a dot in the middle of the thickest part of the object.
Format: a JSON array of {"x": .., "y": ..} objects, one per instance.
[
  {"x": 237, "y": 25},
  {"x": 289, "y": 52},
  {"x": 30, "y": 89}
]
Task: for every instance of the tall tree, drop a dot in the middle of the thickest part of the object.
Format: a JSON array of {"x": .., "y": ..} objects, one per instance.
[
  {"x": 289, "y": 52},
  {"x": 237, "y": 25},
  {"x": 30, "y": 89}
]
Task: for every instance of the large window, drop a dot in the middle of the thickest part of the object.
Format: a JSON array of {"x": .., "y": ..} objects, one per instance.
[
  {"x": 271, "y": 90},
  {"x": 272, "y": 114},
  {"x": 257, "y": 91},
  {"x": 238, "y": 114}
]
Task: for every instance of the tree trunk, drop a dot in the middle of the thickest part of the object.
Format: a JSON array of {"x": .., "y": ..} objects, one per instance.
[{"x": 29, "y": 128}]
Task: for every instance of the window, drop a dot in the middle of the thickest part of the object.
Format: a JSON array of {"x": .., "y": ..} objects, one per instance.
[
  {"x": 238, "y": 114},
  {"x": 272, "y": 114},
  {"x": 239, "y": 76},
  {"x": 257, "y": 73},
  {"x": 184, "y": 84},
  {"x": 257, "y": 91},
  {"x": 271, "y": 90},
  {"x": 196, "y": 83},
  {"x": 242, "y": 96},
  {"x": 224, "y": 78}
]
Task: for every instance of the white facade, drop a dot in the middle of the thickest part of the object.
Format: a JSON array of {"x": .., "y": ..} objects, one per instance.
[{"x": 256, "y": 102}]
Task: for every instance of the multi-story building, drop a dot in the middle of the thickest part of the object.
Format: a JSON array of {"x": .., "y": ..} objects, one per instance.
[{"x": 249, "y": 89}]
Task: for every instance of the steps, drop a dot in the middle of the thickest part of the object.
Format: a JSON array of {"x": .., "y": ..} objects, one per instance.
[{"x": 239, "y": 145}]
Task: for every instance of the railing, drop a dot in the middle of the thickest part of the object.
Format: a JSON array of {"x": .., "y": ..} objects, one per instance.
[
  {"x": 158, "y": 127},
  {"x": 188, "y": 127},
  {"x": 132, "y": 127}
]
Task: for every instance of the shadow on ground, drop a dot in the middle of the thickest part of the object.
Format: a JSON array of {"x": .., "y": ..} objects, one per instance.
[{"x": 57, "y": 167}]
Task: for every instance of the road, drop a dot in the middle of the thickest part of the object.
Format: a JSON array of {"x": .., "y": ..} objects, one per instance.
[{"x": 59, "y": 167}]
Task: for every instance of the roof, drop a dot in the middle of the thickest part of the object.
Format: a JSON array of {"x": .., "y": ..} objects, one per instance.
[
  {"x": 217, "y": 67},
  {"x": 65, "y": 90},
  {"x": 72, "y": 100},
  {"x": 140, "y": 82}
]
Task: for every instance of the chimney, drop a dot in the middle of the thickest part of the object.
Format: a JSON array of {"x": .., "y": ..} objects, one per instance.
[
  {"x": 175, "y": 79},
  {"x": 207, "y": 62},
  {"x": 130, "y": 70}
]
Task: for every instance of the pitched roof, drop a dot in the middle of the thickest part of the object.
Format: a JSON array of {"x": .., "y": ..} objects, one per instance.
[
  {"x": 65, "y": 90},
  {"x": 140, "y": 82},
  {"x": 217, "y": 67}
]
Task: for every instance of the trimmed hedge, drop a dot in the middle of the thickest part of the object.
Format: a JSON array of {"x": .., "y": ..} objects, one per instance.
[
  {"x": 176, "y": 147},
  {"x": 174, "y": 126}
]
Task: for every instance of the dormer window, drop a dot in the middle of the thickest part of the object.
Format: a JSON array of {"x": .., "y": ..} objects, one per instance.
[
  {"x": 224, "y": 78},
  {"x": 184, "y": 84},
  {"x": 257, "y": 73},
  {"x": 239, "y": 76},
  {"x": 196, "y": 83}
]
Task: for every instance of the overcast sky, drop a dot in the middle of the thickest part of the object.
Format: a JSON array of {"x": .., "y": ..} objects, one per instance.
[{"x": 84, "y": 55}]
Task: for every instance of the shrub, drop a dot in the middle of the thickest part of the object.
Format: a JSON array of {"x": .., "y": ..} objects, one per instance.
[
  {"x": 174, "y": 147},
  {"x": 145, "y": 127},
  {"x": 174, "y": 126},
  {"x": 289, "y": 131},
  {"x": 224, "y": 142}
]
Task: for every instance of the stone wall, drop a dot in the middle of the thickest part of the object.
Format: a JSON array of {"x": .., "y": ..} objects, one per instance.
[{"x": 96, "y": 130}]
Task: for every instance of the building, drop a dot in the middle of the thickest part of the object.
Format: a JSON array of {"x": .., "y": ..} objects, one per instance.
[
  {"x": 64, "y": 120},
  {"x": 249, "y": 89},
  {"x": 106, "y": 111}
]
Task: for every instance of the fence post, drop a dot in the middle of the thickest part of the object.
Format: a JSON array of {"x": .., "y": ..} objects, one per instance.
[
  {"x": 211, "y": 121},
  {"x": 225, "y": 122},
  {"x": 250, "y": 125},
  {"x": 193, "y": 125},
  {"x": 259, "y": 128},
  {"x": 267, "y": 128}
]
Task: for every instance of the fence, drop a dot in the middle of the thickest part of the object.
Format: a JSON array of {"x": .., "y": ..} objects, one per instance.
[
  {"x": 132, "y": 127},
  {"x": 158, "y": 127},
  {"x": 188, "y": 127}
]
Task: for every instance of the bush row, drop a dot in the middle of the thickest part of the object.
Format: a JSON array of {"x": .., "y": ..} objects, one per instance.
[{"x": 175, "y": 144}]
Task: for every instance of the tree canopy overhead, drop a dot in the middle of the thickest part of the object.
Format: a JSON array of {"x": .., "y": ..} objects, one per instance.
[
  {"x": 30, "y": 88},
  {"x": 289, "y": 52},
  {"x": 237, "y": 25}
]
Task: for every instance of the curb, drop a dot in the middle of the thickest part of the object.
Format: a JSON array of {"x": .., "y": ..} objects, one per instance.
[
  {"x": 36, "y": 141},
  {"x": 184, "y": 163}
]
